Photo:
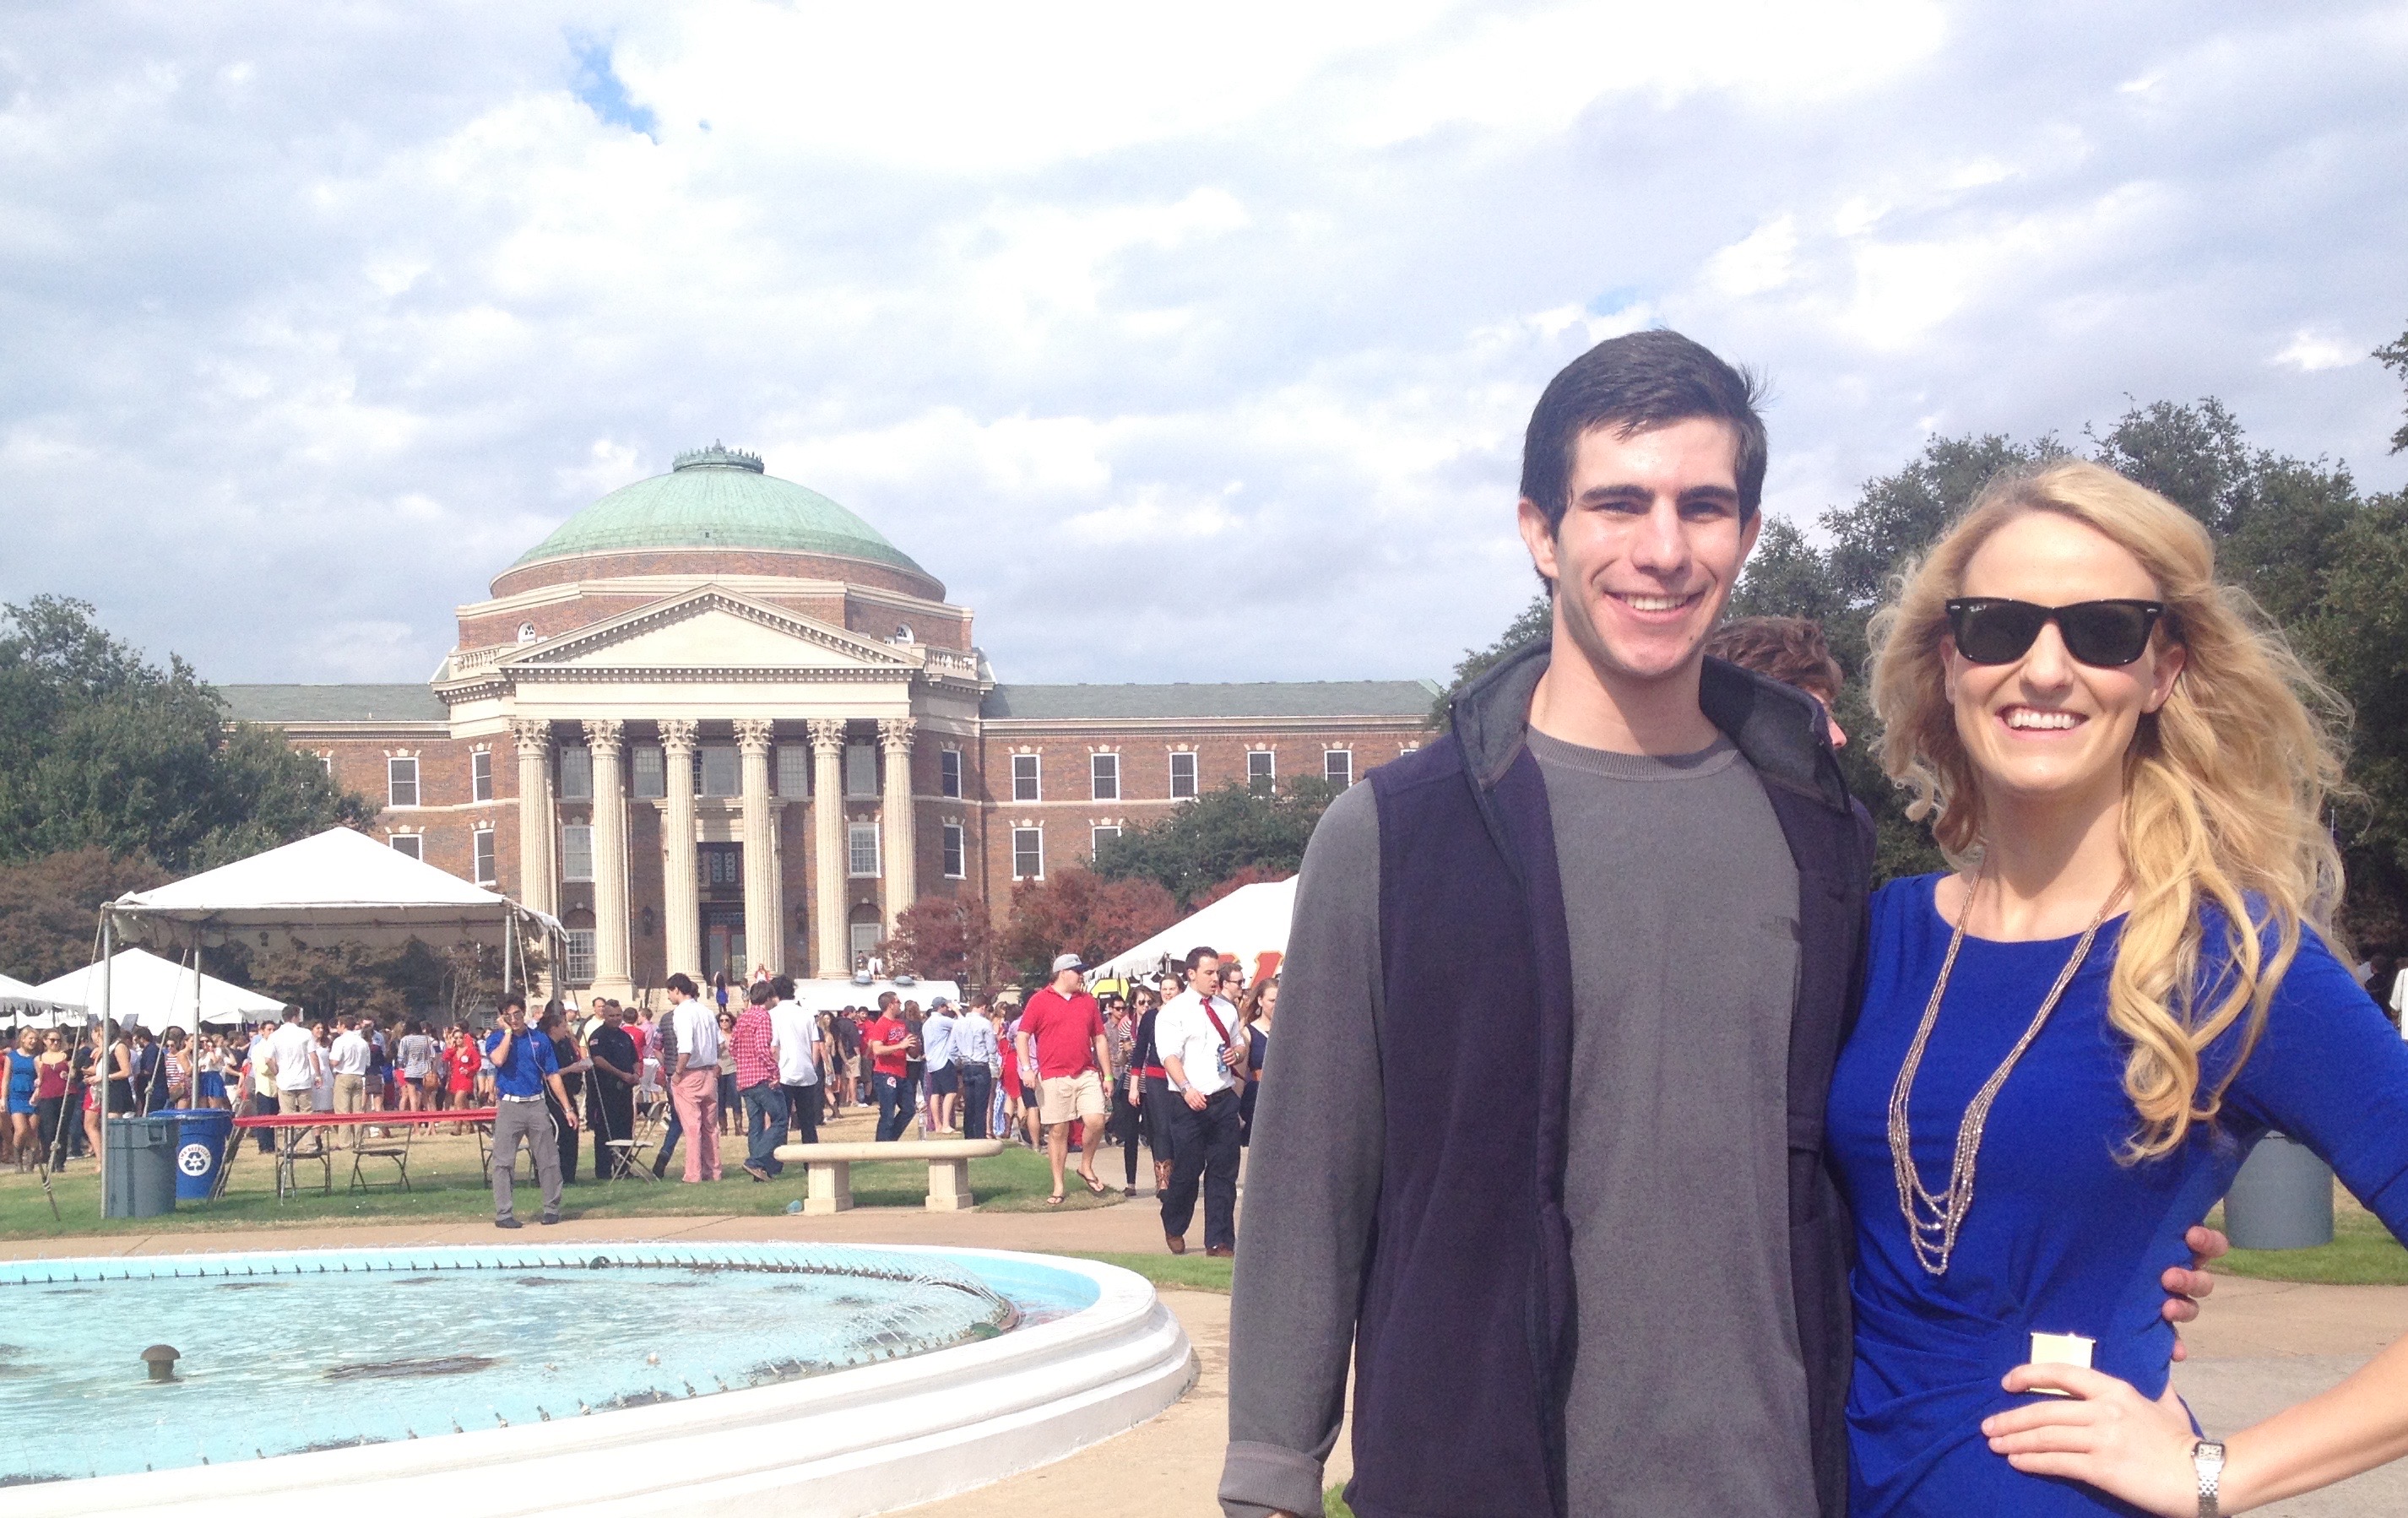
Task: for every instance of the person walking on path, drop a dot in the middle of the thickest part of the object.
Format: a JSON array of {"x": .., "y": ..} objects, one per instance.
[
  {"x": 1061, "y": 1037},
  {"x": 975, "y": 1056},
  {"x": 756, "y": 1084},
  {"x": 1150, "y": 1085},
  {"x": 888, "y": 1040},
  {"x": 943, "y": 1076},
  {"x": 609, "y": 1090},
  {"x": 525, "y": 1070},
  {"x": 693, "y": 1080},
  {"x": 799, "y": 1055},
  {"x": 1206, "y": 1061},
  {"x": 1254, "y": 1015}
]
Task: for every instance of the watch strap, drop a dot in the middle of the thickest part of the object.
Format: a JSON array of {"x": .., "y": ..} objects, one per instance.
[{"x": 2207, "y": 1462}]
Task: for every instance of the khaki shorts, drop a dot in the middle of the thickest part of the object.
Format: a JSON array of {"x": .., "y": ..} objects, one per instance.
[{"x": 1066, "y": 1096}]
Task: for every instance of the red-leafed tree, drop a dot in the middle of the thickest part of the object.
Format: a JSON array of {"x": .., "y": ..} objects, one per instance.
[
  {"x": 1079, "y": 911},
  {"x": 944, "y": 938}
]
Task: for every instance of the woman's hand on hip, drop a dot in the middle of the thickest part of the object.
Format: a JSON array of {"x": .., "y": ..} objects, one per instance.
[{"x": 2102, "y": 1432}]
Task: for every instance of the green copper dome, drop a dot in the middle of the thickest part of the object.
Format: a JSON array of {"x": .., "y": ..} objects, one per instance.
[{"x": 717, "y": 497}]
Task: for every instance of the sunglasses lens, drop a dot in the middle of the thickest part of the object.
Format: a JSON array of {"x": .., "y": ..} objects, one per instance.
[
  {"x": 1995, "y": 632},
  {"x": 2105, "y": 635}
]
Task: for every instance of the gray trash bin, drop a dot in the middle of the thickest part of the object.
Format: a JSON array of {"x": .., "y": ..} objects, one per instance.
[
  {"x": 141, "y": 1167},
  {"x": 2283, "y": 1199}
]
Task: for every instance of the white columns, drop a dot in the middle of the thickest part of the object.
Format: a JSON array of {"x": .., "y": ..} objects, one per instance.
[
  {"x": 610, "y": 963},
  {"x": 536, "y": 887},
  {"x": 681, "y": 896},
  {"x": 901, "y": 842},
  {"x": 763, "y": 943},
  {"x": 827, "y": 841}
]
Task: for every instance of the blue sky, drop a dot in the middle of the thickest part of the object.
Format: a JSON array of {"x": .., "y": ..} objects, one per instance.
[{"x": 1181, "y": 345}]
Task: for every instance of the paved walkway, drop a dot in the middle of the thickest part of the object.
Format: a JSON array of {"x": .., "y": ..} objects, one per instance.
[{"x": 2261, "y": 1346}]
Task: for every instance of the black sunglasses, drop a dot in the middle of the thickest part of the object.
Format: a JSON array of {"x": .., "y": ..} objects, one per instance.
[{"x": 2104, "y": 635}]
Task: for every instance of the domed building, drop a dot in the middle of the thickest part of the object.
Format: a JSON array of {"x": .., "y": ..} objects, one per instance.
[{"x": 717, "y": 720}]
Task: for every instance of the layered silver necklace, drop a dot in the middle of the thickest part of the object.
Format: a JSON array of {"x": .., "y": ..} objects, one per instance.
[{"x": 1933, "y": 1218}]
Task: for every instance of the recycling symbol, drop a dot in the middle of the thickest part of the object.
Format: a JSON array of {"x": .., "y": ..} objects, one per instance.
[{"x": 193, "y": 1159}]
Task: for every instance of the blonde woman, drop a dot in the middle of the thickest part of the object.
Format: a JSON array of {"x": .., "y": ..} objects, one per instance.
[{"x": 2070, "y": 1042}]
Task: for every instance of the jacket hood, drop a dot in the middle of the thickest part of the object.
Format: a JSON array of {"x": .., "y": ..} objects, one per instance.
[{"x": 1778, "y": 727}]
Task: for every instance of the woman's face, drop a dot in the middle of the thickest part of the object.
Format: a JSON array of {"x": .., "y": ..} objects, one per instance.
[
  {"x": 1271, "y": 998},
  {"x": 2045, "y": 727}
]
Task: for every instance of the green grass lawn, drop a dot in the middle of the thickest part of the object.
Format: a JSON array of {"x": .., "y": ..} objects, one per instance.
[
  {"x": 1334, "y": 1505},
  {"x": 2363, "y": 1254},
  {"x": 447, "y": 1184},
  {"x": 1189, "y": 1272}
]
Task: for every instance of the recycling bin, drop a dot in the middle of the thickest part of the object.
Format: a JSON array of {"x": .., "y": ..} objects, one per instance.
[
  {"x": 141, "y": 1167},
  {"x": 2283, "y": 1199},
  {"x": 202, "y": 1133}
]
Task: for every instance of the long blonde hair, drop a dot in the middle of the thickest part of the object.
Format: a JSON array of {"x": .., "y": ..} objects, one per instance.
[{"x": 2223, "y": 789}]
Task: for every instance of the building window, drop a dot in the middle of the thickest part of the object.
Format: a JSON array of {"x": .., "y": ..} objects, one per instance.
[
  {"x": 412, "y": 844},
  {"x": 949, "y": 773},
  {"x": 401, "y": 783},
  {"x": 581, "y": 955},
  {"x": 794, "y": 770},
  {"x": 576, "y": 852},
  {"x": 326, "y": 762},
  {"x": 648, "y": 772},
  {"x": 481, "y": 775},
  {"x": 1337, "y": 766},
  {"x": 1260, "y": 767},
  {"x": 1027, "y": 853},
  {"x": 1105, "y": 776},
  {"x": 526, "y": 632},
  {"x": 1183, "y": 777},
  {"x": 1024, "y": 786},
  {"x": 861, "y": 850},
  {"x": 722, "y": 864},
  {"x": 486, "y": 873},
  {"x": 717, "y": 772},
  {"x": 575, "y": 773},
  {"x": 1098, "y": 837},
  {"x": 860, "y": 770},
  {"x": 956, "y": 862}
]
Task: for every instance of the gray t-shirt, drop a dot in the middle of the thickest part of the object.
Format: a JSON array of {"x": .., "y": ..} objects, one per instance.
[{"x": 1689, "y": 1391}]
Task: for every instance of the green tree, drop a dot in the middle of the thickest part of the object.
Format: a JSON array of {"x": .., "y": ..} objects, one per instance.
[
  {"x": 1205, "y": 843},
  {"x": 100, "y": 748},
  {"x": 1533, "y": 622},
  {"x": 2395, "y": 356},
  {"x": 48, "y": 907}
]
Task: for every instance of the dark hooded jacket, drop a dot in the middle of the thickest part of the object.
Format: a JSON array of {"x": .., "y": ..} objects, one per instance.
[{"x": 1470, "y": 1229}]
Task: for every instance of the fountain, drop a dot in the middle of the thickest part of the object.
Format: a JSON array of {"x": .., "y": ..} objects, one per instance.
[{"x": 594, "y": 1377}]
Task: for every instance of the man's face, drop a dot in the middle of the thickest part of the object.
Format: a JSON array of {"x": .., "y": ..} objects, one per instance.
[
  {"x": 1205, "y": 979},
  {"x": 1648, "y": 548},
  {"x": 1068, "y": 981}
]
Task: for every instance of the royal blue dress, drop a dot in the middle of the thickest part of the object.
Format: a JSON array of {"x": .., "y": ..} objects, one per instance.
[{"x": 2061, "y": 1238}]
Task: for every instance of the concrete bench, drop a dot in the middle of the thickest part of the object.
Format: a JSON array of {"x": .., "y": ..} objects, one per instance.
[{"x": 831, "y": 1169}]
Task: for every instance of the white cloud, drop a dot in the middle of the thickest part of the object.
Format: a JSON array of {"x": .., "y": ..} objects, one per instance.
[{"x": 2309, "y": 351}]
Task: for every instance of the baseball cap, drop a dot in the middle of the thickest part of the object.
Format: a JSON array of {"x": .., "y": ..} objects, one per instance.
[
  {"x": 939, "y": 1002},
  {"x": 1067, "y": 961}
]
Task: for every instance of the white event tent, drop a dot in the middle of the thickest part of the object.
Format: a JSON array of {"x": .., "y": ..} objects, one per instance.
[
  {"x": 22, "y": 1005},
  {"x": 158, "y": 993},
  {"x": 337, "y": 887},
  {"x": 1249, "y": 922}
]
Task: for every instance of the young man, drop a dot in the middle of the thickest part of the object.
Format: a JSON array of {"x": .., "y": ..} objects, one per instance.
[
  {"x": 525, "y": 1069},
  {"x": 1061, "y": 1037},
  {"x": 610, "y": 1089},
  {"x": 694, "y": 1079},
  {"x": 1629, "y": 888},
  {"x": 974, "y": 1056},
  {"x": 756, "y": 1083},
  {"x": 944, "y": 1080},
  {"x": 1206, "y": 1067},
  {"x": 888, "y": 1040}
]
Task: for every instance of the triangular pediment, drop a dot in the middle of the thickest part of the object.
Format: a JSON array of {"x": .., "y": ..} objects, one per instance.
[{"x": 709, "y": 629}]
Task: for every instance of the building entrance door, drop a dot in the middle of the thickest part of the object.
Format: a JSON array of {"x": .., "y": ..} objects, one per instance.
[{"x": 722, "y": 942}]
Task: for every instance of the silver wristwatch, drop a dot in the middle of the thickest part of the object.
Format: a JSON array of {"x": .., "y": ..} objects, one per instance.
[{"x": 2207, "y": 1459}]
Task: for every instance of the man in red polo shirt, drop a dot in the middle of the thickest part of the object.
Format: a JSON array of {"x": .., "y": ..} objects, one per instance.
[
  {"x": 1062, "y": 1032},
  {"x": 889, "y": 1038}
]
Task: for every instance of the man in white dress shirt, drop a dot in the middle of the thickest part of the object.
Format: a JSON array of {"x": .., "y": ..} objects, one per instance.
[{"x": 1195, "y": 1034}]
